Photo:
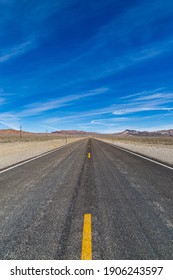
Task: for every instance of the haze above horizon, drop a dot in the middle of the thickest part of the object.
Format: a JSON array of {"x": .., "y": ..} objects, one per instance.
[{"x": 102, "y": 66}]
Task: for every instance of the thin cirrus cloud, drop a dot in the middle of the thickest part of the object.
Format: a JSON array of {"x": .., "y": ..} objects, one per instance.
[
  {"x": 147, "y": 102},
  {"x": 151, "y": 102},
  {"x": 15, "y": 51},
  {"x": 111, "y": 66},
  {"x": 120, "y": 32},
  {"x": 38, "y": 108},
  {"x": 108, "y": 122},
  {"x": 144, "y": 93},
  {"x": 2, "y": 101},
  {"x": 9, "y": 120},
  {"x": 53, "y": 49},
  {"x": 167, "y": 96}
]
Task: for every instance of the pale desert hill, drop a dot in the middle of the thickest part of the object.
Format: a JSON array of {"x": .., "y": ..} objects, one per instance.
[{"x": 168, "y": 132}]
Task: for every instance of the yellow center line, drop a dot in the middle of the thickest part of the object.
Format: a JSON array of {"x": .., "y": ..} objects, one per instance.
[
  {"x": 89, "y": 155},
  {"x": 87, "y": 239}
]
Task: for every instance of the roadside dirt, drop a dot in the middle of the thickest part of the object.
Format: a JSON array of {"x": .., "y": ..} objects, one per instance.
[
  {"x": 159, "y": 152},
  {"x": 11, "y": 153}
]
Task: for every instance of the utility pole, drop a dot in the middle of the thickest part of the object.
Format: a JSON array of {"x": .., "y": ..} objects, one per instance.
[{"x": 20, "y": 131}]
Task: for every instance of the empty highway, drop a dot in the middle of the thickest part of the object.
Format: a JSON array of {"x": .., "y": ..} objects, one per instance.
[{"x": 129, "y": 200}]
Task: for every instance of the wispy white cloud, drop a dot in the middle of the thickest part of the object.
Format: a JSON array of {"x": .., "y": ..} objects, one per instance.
[
  {"x": 16, "y": 51},
  {"x": 10, "y": 121},
  {"x": 133, "y": 21},
  {"x": 147, "y": 102},
  {"x": 127, "y": 39},
  {"x": 2, "y": 101},
  {"x": 109, "y": 121},
  {"x": 131, "y": 58},
  {"x": 40, "y": 107},
  {"x": 156, "y": 96},
  {"x": 110, "y": 65},
  {"x": 140, "y": 108},
  {"x": 161, "y": 102},
  {"x": 52, "y": 128},
  {"x": 110, "y": 38},
  {"x": 117, "y": 36},
  {"x": 143, "y": 93},
  {"x": 4, "y": 96}
]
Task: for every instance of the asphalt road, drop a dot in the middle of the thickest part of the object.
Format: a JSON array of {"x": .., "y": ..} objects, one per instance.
[{"x": 43, "y": 202}]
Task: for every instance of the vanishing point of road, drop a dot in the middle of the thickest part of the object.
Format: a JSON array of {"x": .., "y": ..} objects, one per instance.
[{"x": 88, "y": 199}]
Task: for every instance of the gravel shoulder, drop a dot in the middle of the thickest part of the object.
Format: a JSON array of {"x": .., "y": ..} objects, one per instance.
[
  {"x": 163, "y": 153},
  {"x": 11, "y": 153}
]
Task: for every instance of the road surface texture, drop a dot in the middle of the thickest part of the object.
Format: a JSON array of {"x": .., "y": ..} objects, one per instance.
[{"x": 43, "y": 203}]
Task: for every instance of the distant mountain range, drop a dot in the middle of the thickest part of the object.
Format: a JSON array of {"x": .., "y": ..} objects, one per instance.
[
  {"x": 12, "y": 132},
  {"x": 59, "y": 132},
  {"x": 74, "y": 132},
  {"x": 168, "y": 132}
]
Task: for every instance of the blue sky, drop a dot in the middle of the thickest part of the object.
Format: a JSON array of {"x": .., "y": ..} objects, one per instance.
[{"x": 88, "y": 65}]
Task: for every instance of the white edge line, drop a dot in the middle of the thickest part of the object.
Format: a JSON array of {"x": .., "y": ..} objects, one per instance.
[
  {"x": 139, "y": 155},
  {"x": 36, "y": 157}
]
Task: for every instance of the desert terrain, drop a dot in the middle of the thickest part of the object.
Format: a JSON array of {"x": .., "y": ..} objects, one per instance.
[{"x": 14, "y": 149}]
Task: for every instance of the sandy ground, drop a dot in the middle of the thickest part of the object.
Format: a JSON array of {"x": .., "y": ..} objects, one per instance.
[
  {"x": 159, "y": 152},
  {"x": 11, "y": 153}
]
